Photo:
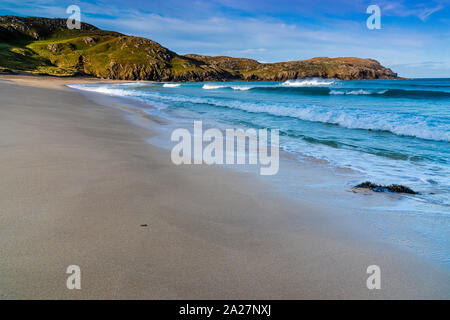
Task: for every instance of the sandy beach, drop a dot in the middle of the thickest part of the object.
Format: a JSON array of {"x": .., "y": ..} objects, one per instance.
[{"x": 80, "y": 185}]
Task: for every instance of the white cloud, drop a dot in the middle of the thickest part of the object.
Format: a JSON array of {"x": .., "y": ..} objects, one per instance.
[
  {"x": 428, "y": 12},
  {"x": 400, "y": 9}
]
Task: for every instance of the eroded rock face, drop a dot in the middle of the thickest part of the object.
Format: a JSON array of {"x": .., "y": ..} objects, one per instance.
[
  {"x": 130, "y": 72},
  {"x": 156, "y": 72}
]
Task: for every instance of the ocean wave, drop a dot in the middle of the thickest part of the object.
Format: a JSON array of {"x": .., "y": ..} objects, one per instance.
[
  {"x": 319, "y": 87},
  {"x": 308, "y": 83},
  {"x": 241, "y": 88},
  {"x": 211, "y": 87},
  {"x": 415, "y": 126},
  {"x": 103, "y": 89},
  {"x": 396, "y": 93},
  {"x": 134, "y": 84},
  {"x": 382, "y": 93},
  {"x": 419, "y": 94},
  {"x": 357, "y": 92},
  {"x": 313, "y": 91},
  {"x": 399, "y": 124},
  {"x": 171, "y": 85}
]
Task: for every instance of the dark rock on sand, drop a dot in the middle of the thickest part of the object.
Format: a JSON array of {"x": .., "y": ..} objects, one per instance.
[{"x": 396, "y": 188}]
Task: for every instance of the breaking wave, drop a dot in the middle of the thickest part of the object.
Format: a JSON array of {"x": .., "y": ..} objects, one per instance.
[
  {"x": 212, "y": 87},
  {"x": 357, "y": 92},
  {"x": 396, "y": 123},
  {"x": 241, "y": 88},
  {"x": 307, "y": 83},
  {"x": 320, "y": 88}
]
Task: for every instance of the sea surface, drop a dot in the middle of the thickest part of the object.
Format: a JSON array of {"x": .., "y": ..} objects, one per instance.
[{"x": 389, "y": 132}]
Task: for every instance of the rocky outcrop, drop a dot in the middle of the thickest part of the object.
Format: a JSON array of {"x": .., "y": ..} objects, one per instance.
[
  {"x": 54, "y": 47},
  {"x": 36, "y": 27},
  {"x": 339, "y": 68},
  {"x": 229, "y": 63},
  {"x": 157, "y": 72}
]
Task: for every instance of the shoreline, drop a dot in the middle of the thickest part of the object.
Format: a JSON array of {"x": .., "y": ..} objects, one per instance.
[
  {"x": 80, "y": 180},
  {"x": 320, "y": 179},
  {"x": 89, "y": 78}
]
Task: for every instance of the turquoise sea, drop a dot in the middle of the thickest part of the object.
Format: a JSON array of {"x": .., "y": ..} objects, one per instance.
[{"x": 390, "y": 132}]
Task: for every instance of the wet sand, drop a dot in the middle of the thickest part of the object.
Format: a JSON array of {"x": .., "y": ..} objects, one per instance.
[{"x": 81, "y": 186}]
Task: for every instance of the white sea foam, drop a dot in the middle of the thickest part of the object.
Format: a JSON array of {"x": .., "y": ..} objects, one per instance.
[
  {"x": 212, "y": 87},
  {"x": 308, "y": 83},
  {"x": 399, "y": 124},
  {"x": 241, "y": 88},
  {"x": 103, "y": 89},
  {"x": 135, "y": 84},
  {"x": 416, "y": 126},
  {"x": 129, "y": 93},
  {"x": 356, "y": 92},
  {"x": 171, "y": 85},
  {"x": 396, "y": 123}
]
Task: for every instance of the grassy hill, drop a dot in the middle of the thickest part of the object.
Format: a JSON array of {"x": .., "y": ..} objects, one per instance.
[{"x": 46, "y": 46}]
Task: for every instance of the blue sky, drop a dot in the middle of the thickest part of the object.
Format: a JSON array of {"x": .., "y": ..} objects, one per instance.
[{"x": 414, "y": 39}]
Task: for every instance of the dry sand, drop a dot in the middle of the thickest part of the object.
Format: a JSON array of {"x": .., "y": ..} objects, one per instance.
[{"x": 77, "y": 181}]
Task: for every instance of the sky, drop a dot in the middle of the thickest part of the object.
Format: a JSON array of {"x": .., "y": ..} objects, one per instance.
[{"x": 414, "y": 38}]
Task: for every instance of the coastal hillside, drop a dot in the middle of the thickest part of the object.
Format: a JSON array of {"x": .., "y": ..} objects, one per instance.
[
  {"x": 339, "y": 68},
  {"x": 46, "y": 46}
]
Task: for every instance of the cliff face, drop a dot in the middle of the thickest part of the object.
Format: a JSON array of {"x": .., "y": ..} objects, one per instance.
[{"x": 46, "y": 46}]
